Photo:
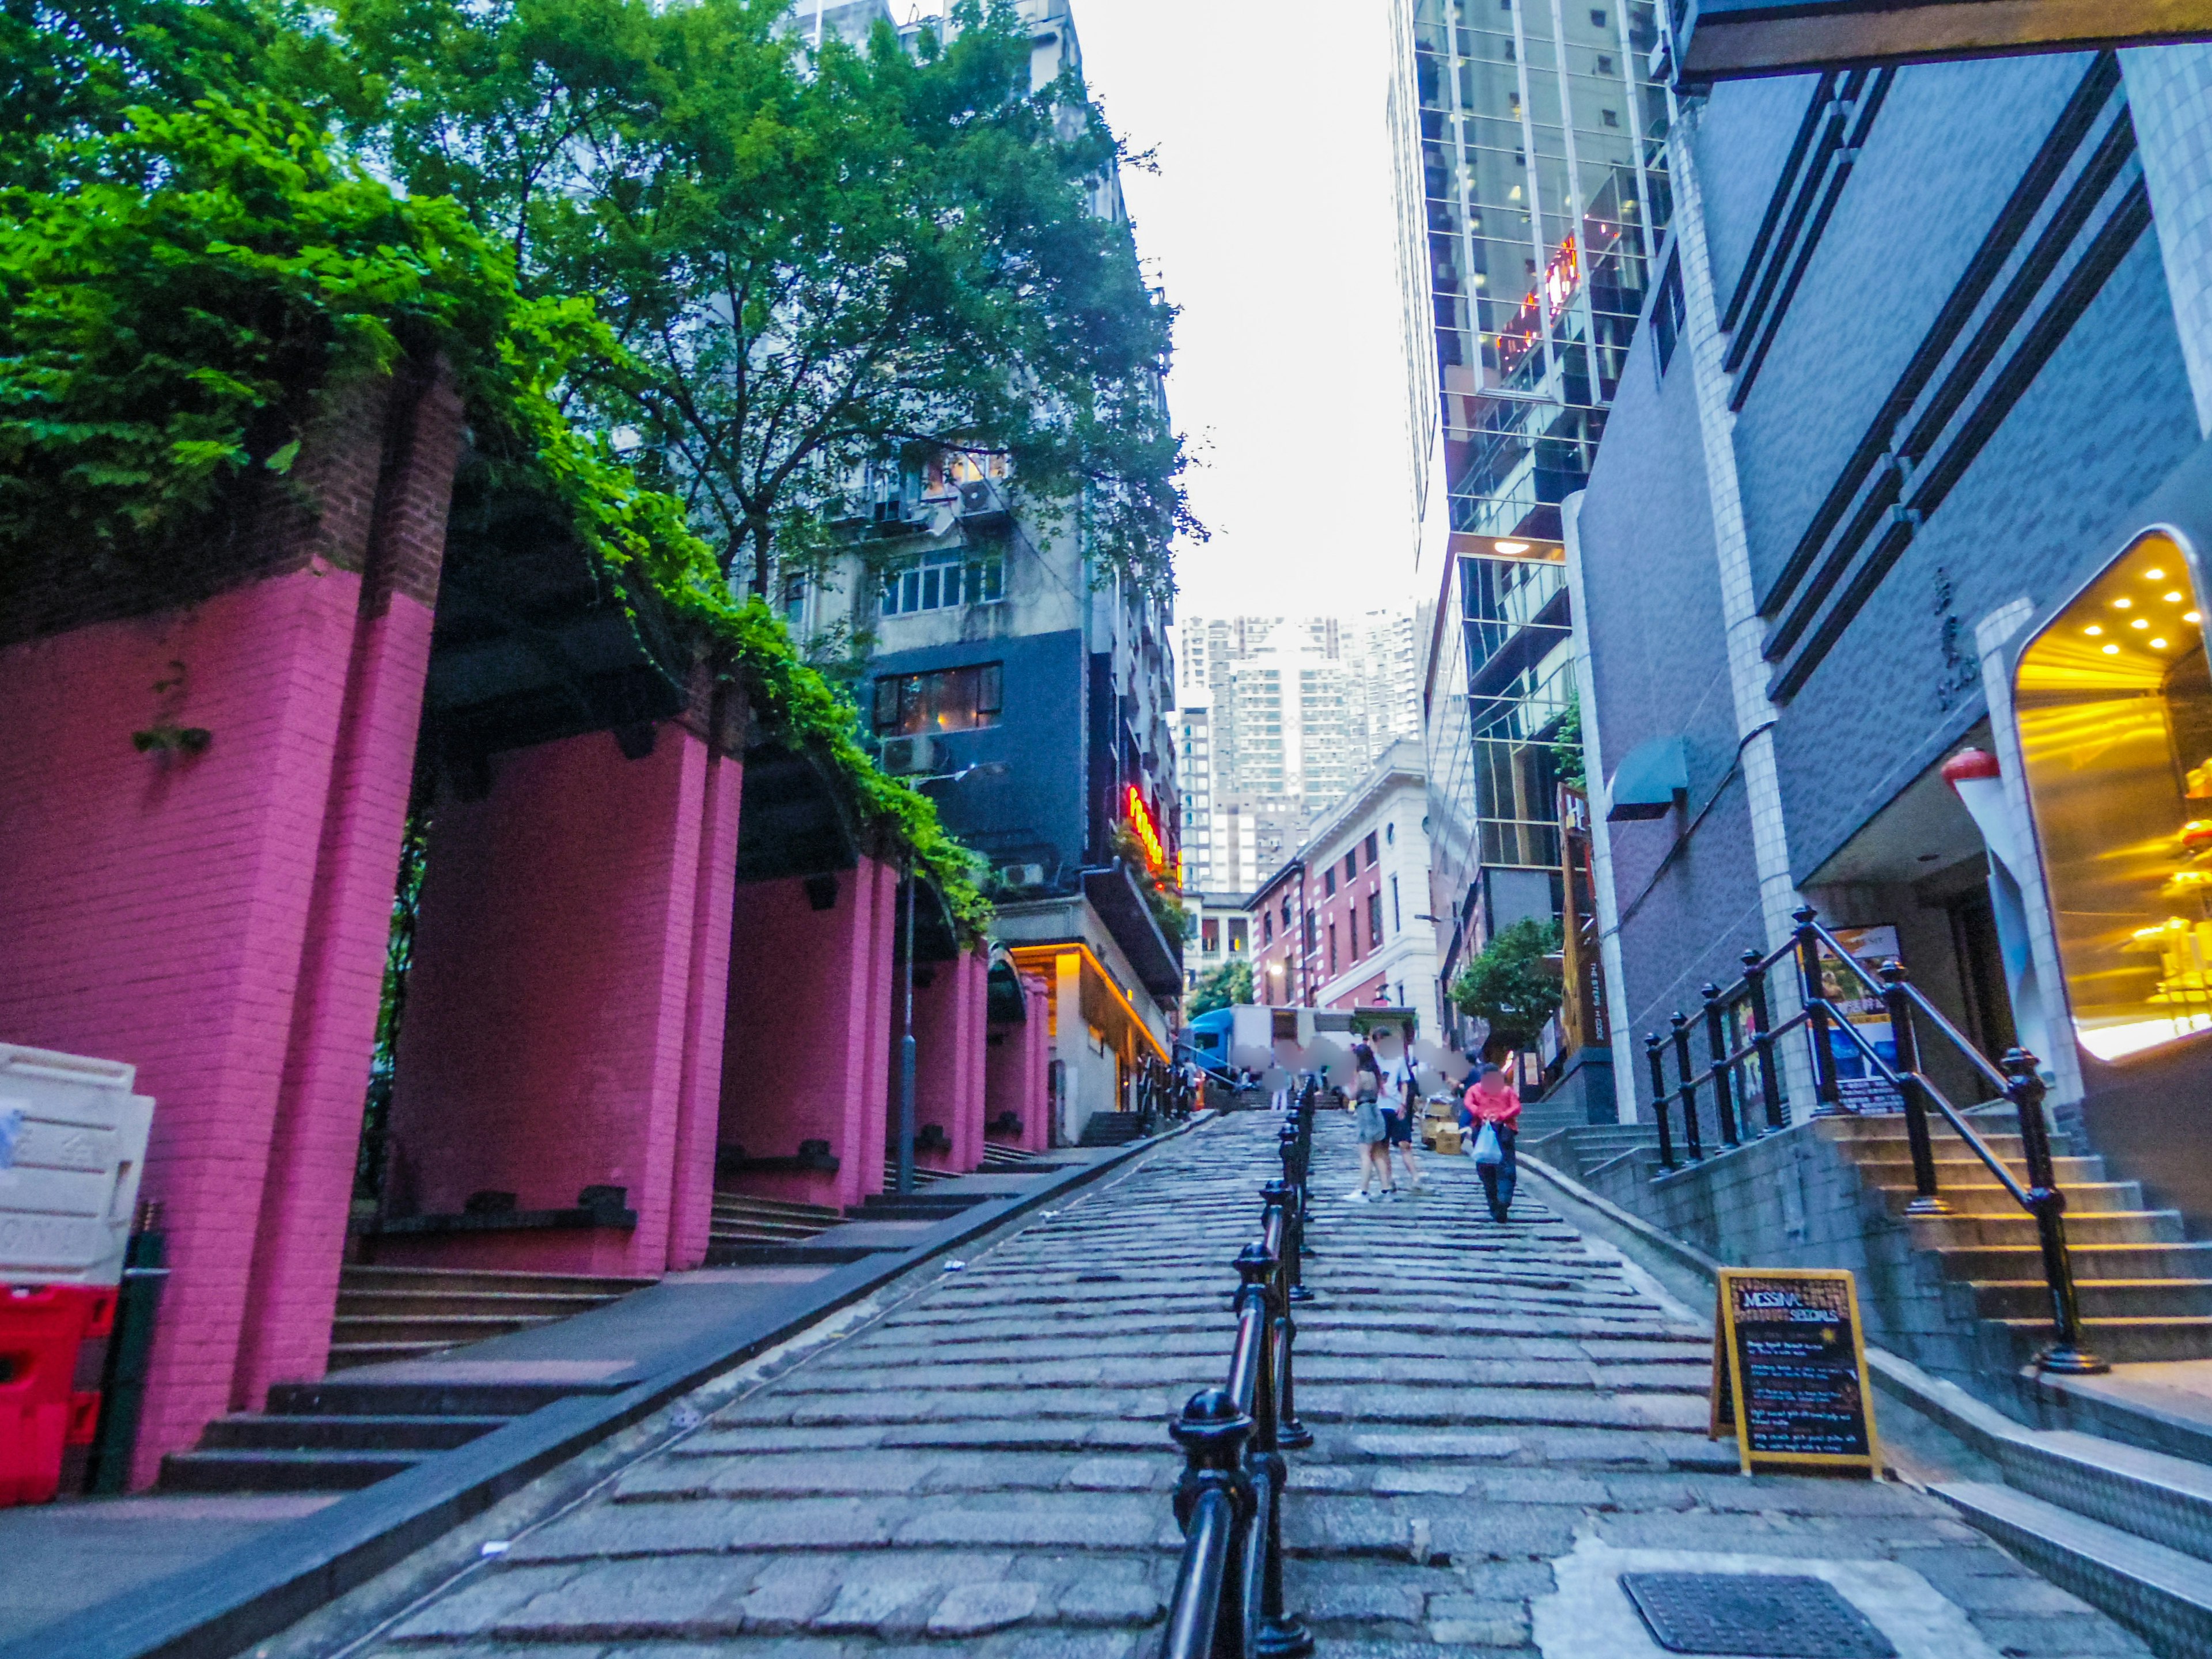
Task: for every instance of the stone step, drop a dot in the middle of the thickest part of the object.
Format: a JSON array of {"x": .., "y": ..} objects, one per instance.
[
  {"x": 346, "y": 1355},
  {"x": 439, "y": 1328},
  {"x": 2121, "y": 1341},
  {"x": 2023, "y": 1261},
  {"x": 787, "y": 1206},
  {"x": 488, "y": 1279},
  {"x": 1985, "y": 1197},
  {"x": 379, "y": 1396},
  {"x": 737, "y": 1224},
  {"x": 2164, "y": 1594},
  {"x": 1963, "y": 1231},
  {"x": 259, "y": 1432},
  {"x": 357, "y": 1304},
  {"x": 1956, "y": 1164},
  {"x": 282, "y": 1471},
  {"x": 2099, "y": 1298}
]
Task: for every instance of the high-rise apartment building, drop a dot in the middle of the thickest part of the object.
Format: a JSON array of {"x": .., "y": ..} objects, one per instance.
[
  {"x": 1529, "y": 143},
  {"x": 1296, "y": 710}
]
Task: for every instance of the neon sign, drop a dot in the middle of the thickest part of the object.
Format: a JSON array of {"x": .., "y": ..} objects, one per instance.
[{"x": 1140, "y": 820}]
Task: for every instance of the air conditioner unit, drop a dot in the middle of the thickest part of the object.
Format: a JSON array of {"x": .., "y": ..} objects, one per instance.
[
  {"x": 1021, "y": 875},
  {"x": 906, "y": 757}
]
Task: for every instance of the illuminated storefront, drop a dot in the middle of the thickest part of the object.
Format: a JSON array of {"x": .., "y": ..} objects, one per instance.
[{"x": 2114, "y": 707}]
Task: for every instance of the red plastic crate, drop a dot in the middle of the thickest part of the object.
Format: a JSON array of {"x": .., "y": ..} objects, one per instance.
[{"x": 40, "y": 1327}]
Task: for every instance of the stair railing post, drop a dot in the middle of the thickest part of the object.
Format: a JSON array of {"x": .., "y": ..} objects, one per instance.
[
  {"x": 1716, "y": 1048},
  {"x": 2068, "y": 1354},
  {"x": 1685, "y": 1090},
  {"x": 1828, "y": 1099},
  {"x": 1762, "y": 1037},
  {"x": 1925, "y": 1201},
  {"x": 1294, "y": 1220},
  {"x": 1655, "y": 1050},
  {"x": 1290, "y": 1433},
  {"x": 1206, "y": 1618}
]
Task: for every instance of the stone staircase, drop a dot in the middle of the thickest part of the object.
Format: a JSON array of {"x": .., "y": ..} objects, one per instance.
[
  {"x": 1583, "y": 1149},
  {"x": 406, "y": 1313},
  {"x": 1112, "y": 1129},
  {"x": 741, "y": 1218},
  {"x": 2145, "y": 1290},
  {"x": 340, "y": 1435}
]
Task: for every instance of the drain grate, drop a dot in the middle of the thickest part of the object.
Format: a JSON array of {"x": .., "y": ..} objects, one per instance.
[{"x": 1768, "y": 1615}]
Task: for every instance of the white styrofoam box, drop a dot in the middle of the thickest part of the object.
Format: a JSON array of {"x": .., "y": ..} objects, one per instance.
[{"x": 72, "y": 1147}]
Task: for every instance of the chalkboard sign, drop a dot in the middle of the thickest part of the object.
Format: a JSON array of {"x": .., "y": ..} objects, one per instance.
[{"x": 1790, "y": 1375}]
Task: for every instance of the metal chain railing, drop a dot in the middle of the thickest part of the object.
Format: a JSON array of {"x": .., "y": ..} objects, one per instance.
[
  {"x": 1228, "y": 1600},
  {"x": 1728, "y": 1060}
]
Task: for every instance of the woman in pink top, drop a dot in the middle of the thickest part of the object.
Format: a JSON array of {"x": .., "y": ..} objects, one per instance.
[{"x": 1491, "y": 1100}]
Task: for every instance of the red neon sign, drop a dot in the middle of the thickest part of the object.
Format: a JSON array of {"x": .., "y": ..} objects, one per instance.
[{"x": 1140, "y": 820}]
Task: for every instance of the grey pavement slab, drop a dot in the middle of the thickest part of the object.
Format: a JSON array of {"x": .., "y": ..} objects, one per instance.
[{"x": 1500, "y": 1413}]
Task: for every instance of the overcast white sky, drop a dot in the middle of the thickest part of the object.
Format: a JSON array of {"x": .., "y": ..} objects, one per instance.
[{"x": 1269, "y": 221}]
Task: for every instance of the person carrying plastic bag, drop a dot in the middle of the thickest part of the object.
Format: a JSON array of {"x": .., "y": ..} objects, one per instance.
[{"x": 1494, "y": 1109}]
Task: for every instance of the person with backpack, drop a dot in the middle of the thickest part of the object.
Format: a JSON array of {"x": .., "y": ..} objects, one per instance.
[
  {"x": 1402, "y": 1106},
  {"x": 1493, "y": 1110},
  {"x": 1368, "y": 1125}
]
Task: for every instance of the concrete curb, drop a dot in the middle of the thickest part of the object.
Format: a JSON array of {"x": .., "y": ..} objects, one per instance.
[{"x": 219, "y": 1607}]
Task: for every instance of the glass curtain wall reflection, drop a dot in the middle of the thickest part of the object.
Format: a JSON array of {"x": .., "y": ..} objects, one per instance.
[{"x": 1533, "y": 201}]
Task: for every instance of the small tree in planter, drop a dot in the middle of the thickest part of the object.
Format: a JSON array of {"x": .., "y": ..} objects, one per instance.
[{"x": 1510, "y": 986}]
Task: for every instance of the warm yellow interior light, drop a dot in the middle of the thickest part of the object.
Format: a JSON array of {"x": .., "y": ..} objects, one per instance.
[
  {"x": 2173, "y": 597},
  {"x": 2122, "y": 603},
  {"x": 2158, "y": 645},
  {"x": 2140, "y": 622},
  {"x": 2192, "y": 615},
  {"x": 2112, "y": 650},
  {"x": 2092, "y": 630},
  {"x": 2154, "y": 575},
  {"x": 1512, "y": 547}
]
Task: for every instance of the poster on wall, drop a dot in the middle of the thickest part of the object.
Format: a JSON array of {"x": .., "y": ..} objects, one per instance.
[{"x": 1861, "y": 1088}]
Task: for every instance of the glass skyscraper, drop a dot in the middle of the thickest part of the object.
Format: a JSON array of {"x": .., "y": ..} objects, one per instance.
[{"x": 1532, "y": 201}]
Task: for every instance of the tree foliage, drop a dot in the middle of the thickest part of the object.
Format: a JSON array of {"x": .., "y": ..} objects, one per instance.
[
  {"x": 820, "y": 260},
  {"x": 1220, "y": 987},
  {"x": 1509, "y": 985}
]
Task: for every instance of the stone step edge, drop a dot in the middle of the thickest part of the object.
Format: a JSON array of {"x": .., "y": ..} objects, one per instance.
[{"x": 2160, "y": 1594}]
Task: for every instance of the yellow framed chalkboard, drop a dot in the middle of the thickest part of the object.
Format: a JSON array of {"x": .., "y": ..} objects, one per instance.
[{"x": 1789, "y": 1372}]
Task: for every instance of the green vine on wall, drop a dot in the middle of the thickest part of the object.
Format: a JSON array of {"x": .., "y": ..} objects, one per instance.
[{"x": 180, "y": 296}]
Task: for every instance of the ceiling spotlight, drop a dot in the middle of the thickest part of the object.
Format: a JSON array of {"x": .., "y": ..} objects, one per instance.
[
  {"x": 2192, "y": 615},
  {"x": 2112, "y": 650},
  {"x": 1510, "y": 548},
  {"x": 2092, "y": 630},
  {"x": 2175, "y": 597},
  {"x": 2154, "y": 575},
  {"x": 2140, "y": 622},
  {"x": 2158, "y": 645},
  {"x": 2122, "y": 604}
]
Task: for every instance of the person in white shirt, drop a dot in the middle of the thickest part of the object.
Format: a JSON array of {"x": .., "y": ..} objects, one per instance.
[{"x": 1402, "y": 1103}]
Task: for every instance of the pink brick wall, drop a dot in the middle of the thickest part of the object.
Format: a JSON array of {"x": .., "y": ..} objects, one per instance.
[
  {"x": 1015, "y": 1059},
  {"x": 882, "y": 1073},
  {"x": 547, "y": 1016},
  {"x": 801, "y": 1047},
  {"x": 158, "y": 912},
  {"x": 706, "y": 1013}
]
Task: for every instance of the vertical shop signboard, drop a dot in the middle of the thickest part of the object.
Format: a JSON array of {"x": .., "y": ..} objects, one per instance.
[
  {"x": 1790, "y": 1375},
  {"x": 1860, "y": 1088}
]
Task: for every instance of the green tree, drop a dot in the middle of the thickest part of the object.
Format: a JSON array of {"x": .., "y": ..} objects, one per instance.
[
  {"x": 1508, "y": 984},
  {"x": 1220, "y": 987},
  {"x": 822, "y": 259}
]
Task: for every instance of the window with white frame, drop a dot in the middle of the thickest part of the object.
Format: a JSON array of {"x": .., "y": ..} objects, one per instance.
[{"x": 935, "y": 581}]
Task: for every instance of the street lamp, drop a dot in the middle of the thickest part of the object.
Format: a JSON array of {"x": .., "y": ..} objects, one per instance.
[{"x": 989, "y": 768}]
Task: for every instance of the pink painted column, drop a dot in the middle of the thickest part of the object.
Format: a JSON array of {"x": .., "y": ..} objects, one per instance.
[
  {"x": 157, "y": 906},
  {"x": 940, "y": 1031},
  {"x": 1015, "y": 1057},
  {"x": 797, "y": 1051},
  {"x": 881, "y": 1082},
  {"x": 706, "y": 1014},
  {"x": 544, "y": 1047},
  {"x": 973, "y": 989},
  {"x": 305, "y": 1203}
]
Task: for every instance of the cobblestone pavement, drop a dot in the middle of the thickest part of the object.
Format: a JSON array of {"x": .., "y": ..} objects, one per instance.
[{"x": 1505, "y": 1421}]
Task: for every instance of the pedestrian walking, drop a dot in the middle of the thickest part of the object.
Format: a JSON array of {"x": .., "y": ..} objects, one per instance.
[
  {"x": 1493, "y": 1110},
  {"x": 1401, "y": 1105},
  {"x": 1368, "y": 1125}
]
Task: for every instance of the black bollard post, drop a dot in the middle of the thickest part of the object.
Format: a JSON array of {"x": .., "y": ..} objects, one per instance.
[
  {"x": 1294, "y": 1221},
  {"x": 1290, "y": 1433}
]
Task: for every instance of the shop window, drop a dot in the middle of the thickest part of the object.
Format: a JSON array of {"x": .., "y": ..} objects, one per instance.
[
  {"x": 949, "y": 700},
  {"x": 2114, "y": 715}
]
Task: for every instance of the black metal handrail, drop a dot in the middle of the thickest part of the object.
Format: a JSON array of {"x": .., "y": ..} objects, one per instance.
[
  {"x": 1228, "y": 1600},
  {"x": 2014, "y": 1076}
]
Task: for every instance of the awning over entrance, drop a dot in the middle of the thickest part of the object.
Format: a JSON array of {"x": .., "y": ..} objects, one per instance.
[{"x": 1105, "y": 1007}]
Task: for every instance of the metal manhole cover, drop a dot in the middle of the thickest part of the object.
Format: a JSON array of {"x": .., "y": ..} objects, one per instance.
[{"x": 1761, "y": 1614}]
